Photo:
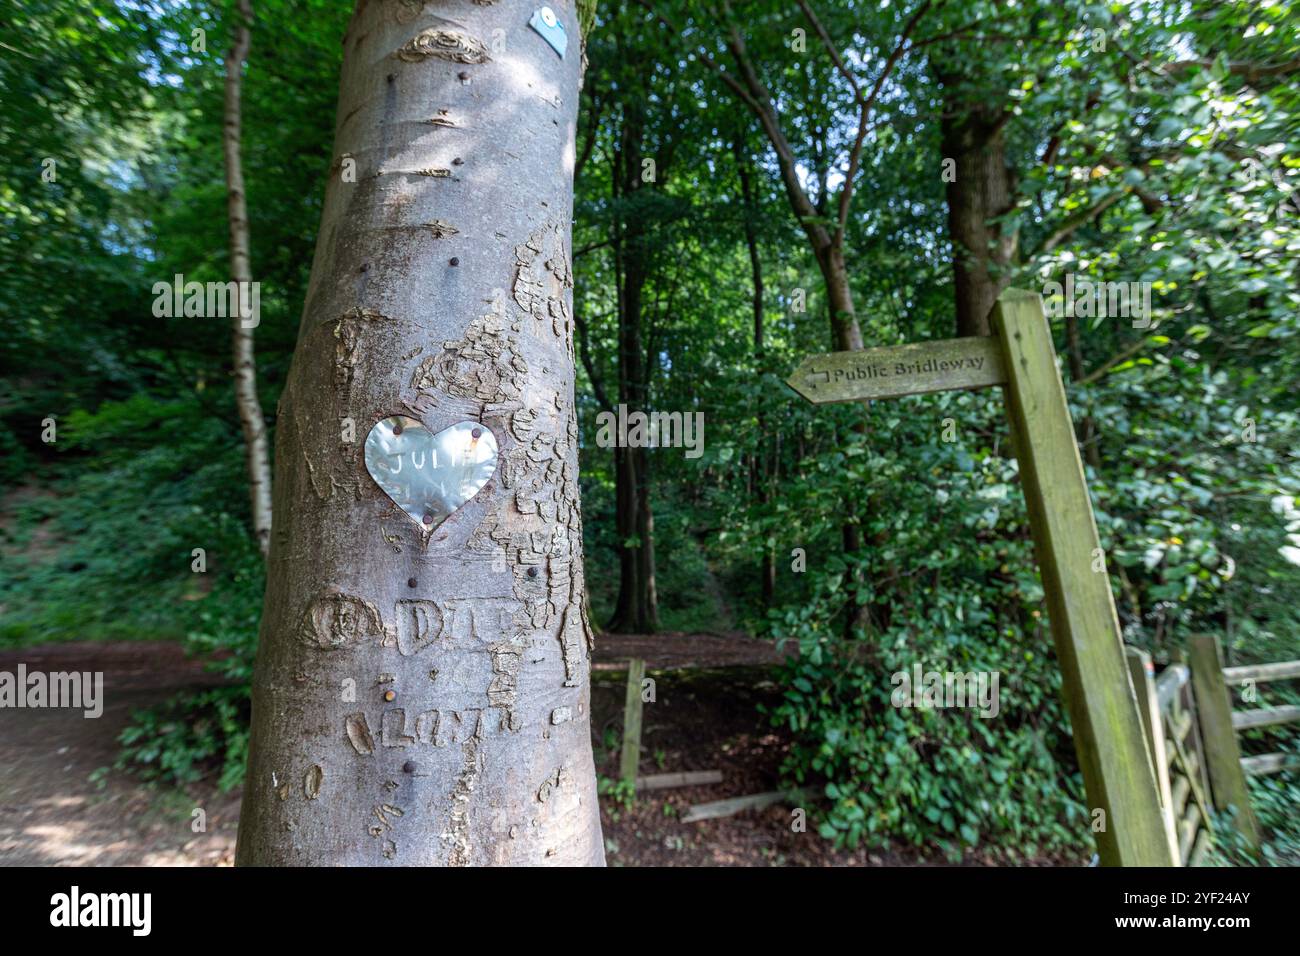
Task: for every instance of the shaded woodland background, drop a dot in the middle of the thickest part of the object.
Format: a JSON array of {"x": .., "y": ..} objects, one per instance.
[{"x": 1146, "y": 141}]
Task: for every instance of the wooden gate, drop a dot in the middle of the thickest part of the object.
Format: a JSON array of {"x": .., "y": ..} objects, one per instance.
[{"x": 1191, "y": 726}]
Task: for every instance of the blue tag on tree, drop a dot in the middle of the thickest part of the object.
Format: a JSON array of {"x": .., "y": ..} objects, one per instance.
[{"x": 548, "y": 25}]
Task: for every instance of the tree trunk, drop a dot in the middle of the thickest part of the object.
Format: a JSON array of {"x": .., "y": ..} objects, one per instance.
[
  {"x": 647, "y": 594},
  {"x": 256, "y": 444},
  {"x": 421, "y": 695},
  {"x": 982, "y": 189},
  {"x": 758, "y": 465},
  {"x": 637, "y": 609},
  {"x": 750, "y": 201},
  {"x": 625, "y": 518},
  {"x": 846, "y": 335},
  {"x": 845, "y": 331}
]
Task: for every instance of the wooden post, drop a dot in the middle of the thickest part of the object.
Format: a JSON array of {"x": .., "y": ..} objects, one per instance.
[
  {"x": 1142, "y": 672},
  {"x": 1103, "y": 709},
  {"x": 631, "y": 757},
  {"x": 1222, "y": 755}
]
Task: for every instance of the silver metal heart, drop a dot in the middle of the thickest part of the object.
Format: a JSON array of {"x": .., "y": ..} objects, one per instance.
[{"x": 429, "y": 476}]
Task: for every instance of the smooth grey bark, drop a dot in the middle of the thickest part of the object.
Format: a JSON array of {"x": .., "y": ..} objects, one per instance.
[
  {"x": 257, "y": 452},
  {"x": 422, "y": 698}
]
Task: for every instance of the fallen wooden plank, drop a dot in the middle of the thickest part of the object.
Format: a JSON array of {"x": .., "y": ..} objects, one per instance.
[
  {"x": 687, "y": 778},
  {"x": 1191, "y": 770},
  {"x": 734, "y": 805},
  {"x": 1187, "y": 829},
  {"x": 1182, "y": 789}
]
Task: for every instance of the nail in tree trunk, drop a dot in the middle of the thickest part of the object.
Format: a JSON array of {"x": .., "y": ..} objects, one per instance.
[
  {"x": 256, "y": 443},
  {"x": 421, "y": 694}
]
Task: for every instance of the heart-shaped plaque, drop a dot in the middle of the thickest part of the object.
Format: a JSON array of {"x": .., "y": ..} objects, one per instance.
[{"x": 429, "y": 476}]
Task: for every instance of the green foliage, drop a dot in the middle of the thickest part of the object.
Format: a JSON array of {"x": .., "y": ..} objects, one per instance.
[
  {"x": 1182, "y": 174},
  {"x": 1197, "y": 169},
  {"x": 952, "y": 589},
  {"x": 1274, "y": 800},
  {"x": 97, "y": 537},
  {"x": 620, "y": 795},
  {"x": 181, "y": 741},
  {"x": 105, "y": 550},
  {"x": 198, "y": 733}
]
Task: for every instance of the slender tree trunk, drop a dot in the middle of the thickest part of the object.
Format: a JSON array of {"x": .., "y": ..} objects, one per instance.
[
  {"x": 758, "y": 470},
  {"x": 845, "y": 331},
  {"x": 982, "y": 189},
  {"x": 647, "y": 595},
  {"x": 636, "y": 611},
  {"x": 827, "y": 243},
  {"x": 256, "y": 443},
  {"x": 421, "y": 696},
  {"x": 750, "y": 201},
  {"x": 846, "y": 335},
  {"x": 629, "y": 567}
]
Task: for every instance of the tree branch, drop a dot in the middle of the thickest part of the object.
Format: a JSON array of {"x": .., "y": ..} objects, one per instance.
[
  {"x": 1251, "y": 72},
  {"x": 707, "y": 60},
  {"x": 754, "y": 95},
  {"x": 830, "y": 48},
  {"x": 1054, "y": 144},
  {"x": 1081, "y": 218},
  {"x": 855, "y": 156},
  {"x": 762, "y": 100},
  {"x": 1114, "y": 360}
]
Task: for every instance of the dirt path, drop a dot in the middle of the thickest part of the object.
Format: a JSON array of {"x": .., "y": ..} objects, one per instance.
[
  {"x": 51, "y": 813},
  {"x": 704, "y": 717},
  {"x": 676, "y": 651}
]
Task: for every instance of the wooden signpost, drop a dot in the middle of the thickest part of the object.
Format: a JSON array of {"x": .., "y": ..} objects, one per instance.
[
  {"x": 897, "y": 370},
  {"x": 1108, "y": 736}
]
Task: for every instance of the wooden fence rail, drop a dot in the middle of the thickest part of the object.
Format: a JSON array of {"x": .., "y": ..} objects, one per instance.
[
  {"x": 1260, "y": 764},
  {"x": 1286, "y": 670},
  {"x": 1265, "y": 716}
]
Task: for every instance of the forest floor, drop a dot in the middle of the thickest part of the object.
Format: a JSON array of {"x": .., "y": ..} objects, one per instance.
[{"x": 60, "y": 806}]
